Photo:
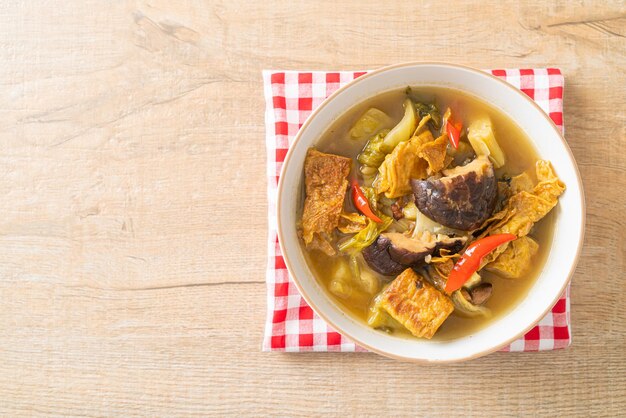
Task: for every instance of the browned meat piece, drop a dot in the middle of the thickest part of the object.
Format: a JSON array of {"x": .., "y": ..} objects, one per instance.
[
  {"x": 415, "y": 303},
  {"x": 326, "y": 184}
]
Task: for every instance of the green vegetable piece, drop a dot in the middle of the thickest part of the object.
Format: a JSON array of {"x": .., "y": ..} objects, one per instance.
[
  {"x": 432, "y": 110},
  {"x": 424, "y": 109},
  {"x": 378, "y": 318},
  {"x": 372, "y": 155},
  {"x": 481, "y": 138},
  {"x": 403, "y": 130},
  {"x": 366, "y": 236},
  {"x": 370, "y": 123},
  {"x": 364, "y": 278}
]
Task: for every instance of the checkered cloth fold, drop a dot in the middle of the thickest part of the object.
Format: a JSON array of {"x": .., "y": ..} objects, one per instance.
[{"x": 290, "y": 97}]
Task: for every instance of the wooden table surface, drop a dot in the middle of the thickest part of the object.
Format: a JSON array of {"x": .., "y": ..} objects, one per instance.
[{"x": 132, "y": 176}]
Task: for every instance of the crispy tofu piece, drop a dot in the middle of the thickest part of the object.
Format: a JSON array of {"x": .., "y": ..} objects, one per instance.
[
  {"x": 325, "y": 182},
  {"x": 415, "y": 303},
  {"x": 515, "y": 261}
]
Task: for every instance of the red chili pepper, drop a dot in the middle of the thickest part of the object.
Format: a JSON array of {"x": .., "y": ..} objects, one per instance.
[
  {"x": 361, "y": 203},
  {"x": 471, "y": 258},
  {"x": 454, "y": 133}
]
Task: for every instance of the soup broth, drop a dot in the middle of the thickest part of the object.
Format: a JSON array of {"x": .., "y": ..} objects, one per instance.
[{"x": 520, "y": 157}]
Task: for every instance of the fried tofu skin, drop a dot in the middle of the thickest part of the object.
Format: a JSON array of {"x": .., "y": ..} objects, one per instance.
[
  {"x": 415, "y": 303},
  {"x": 524, "y": 209},
  {"x": 325, "y": 182},
  {"x": 515, "y": 261},
  {"x": 419, "y": 157}
]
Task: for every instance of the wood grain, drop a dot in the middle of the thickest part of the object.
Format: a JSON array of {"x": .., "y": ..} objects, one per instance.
[{"x": 132, "y": 237}]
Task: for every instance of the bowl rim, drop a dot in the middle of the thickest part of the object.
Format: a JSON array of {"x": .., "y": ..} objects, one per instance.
[{"x": 363, "y": 77}]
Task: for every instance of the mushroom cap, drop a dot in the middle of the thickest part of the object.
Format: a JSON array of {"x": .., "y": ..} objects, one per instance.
[
  {"x": 463, "y": 199},
  {"x": 481, "y": 293},
  {"x": 378, "y": 258},
  {"x": 407, "y": 251},
  {"x": 393, "y": 252}
]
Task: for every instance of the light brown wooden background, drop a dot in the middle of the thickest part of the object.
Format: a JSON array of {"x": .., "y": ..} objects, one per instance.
[{"x": 133, "y": 208}]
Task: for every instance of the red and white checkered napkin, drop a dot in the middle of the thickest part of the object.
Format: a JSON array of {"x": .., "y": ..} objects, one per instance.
[{"x": 290, "y": 96}]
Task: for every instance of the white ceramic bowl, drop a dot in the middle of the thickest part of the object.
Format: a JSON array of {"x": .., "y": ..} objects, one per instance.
[{"x": 568, "y": 232}]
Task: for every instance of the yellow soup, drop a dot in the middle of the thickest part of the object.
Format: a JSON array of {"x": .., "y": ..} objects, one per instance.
[{"x": 520, "y": 157}]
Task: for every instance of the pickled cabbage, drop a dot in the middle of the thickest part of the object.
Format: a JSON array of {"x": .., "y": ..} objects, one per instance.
[
  {"x": 432, "y": 110},
  {"x": 482, "y": 139},
  {"x": 346, "y": 283},
  {"x": 366, "y": 236},
  {"x": 372, "y": 155},
  {"x": 403, "y": 130},
  {"x": 370, "y": 124}
]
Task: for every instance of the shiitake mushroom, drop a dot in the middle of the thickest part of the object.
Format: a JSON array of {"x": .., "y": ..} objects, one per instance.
[
  {"x": 393, "y": 252},
  {"x": 462, "y": 199}
]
